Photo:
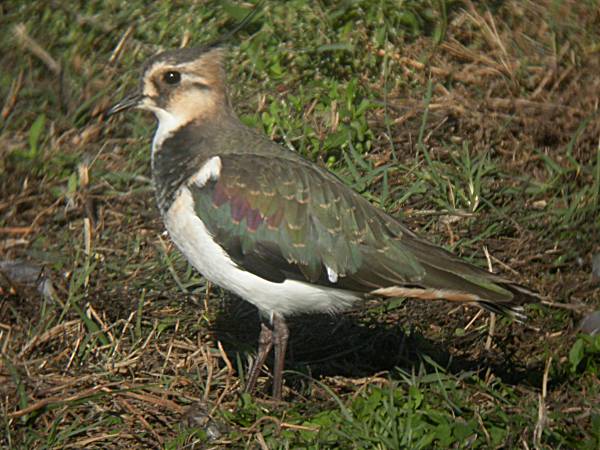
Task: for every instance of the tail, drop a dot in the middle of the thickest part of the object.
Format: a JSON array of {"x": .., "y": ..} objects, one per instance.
[
  {"x": 450, "y": 278},
  {"x": 514, "y": 307}
]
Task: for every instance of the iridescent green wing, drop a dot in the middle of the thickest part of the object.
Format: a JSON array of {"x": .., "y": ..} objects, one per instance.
[{"x": 282, "y": 219}]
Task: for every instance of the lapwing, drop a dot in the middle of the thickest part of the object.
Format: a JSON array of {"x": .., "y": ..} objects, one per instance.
[{"x": 274, "y": 228}]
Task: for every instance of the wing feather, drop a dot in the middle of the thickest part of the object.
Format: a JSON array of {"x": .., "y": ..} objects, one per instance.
[{"x": 282, "y": 219}]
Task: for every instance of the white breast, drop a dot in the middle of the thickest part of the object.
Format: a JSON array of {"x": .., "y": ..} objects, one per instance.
[{"x": 290, "y": 297}]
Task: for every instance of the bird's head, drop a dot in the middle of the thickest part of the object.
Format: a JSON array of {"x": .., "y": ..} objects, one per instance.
[{"x": 179, "y": 86}]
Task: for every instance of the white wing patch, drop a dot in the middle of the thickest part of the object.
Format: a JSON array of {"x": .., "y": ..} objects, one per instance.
[
  {"x": 331, "y": 274},
  {"x": 210, "y": 170}
]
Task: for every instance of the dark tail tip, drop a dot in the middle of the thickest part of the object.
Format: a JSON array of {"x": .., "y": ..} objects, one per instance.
[{"x": 513, "y": 308}]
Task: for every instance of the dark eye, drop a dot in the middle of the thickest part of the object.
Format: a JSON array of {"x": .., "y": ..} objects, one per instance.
[{"x": 172, "y": 77}]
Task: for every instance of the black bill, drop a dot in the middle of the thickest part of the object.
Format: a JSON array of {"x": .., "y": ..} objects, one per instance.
[{"x": 131, "y": 101}]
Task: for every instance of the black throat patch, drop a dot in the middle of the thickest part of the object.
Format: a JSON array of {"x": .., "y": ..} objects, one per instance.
[{"x": 177, "y": 159}]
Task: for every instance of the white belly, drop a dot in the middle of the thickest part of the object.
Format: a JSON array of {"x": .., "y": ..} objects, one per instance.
[{"x": 290, "y": 297}]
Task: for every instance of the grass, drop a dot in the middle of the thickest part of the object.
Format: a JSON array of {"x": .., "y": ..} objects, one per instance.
[{"x": 478, "y": 125}]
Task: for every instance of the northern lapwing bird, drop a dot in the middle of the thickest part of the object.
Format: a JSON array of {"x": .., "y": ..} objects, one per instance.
[{"x": 274, "y": 228}]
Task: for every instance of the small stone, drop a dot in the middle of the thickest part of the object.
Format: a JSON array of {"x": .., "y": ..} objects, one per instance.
[
  {"x": 590, "y": 324},
  {"x": 596, "y": 266},
  {"x": 198, "y": 416}
]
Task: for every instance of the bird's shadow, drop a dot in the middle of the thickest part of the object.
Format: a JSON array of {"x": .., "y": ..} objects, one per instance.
[{"x": 323, "y": 345}]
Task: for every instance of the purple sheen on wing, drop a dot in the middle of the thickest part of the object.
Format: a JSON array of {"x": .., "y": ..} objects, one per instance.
[
  {"x": 239, "y": 208},
  {"x": 220, "y": 197},
  {"x": 253, "y": 219}
]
